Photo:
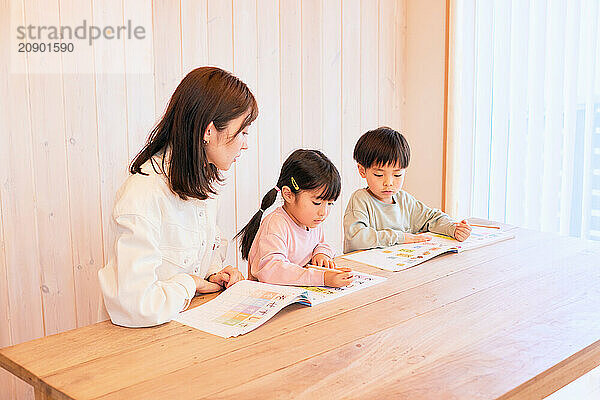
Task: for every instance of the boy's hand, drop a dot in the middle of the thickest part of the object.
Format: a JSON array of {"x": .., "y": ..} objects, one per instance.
[
  {"x": 411, "y": 238},
  {"x": 462, "y": 231},
  {"x": 322, "y": 260},
  {"x": 337, "y": 278}
]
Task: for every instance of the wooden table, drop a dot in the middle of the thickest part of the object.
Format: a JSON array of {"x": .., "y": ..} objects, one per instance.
[{"x": 518, "y": 319}]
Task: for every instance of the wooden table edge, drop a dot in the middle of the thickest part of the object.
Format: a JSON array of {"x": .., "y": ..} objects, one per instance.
[
  {"x": 42, "y": 390},
  {"x": 557, "y": 376}
]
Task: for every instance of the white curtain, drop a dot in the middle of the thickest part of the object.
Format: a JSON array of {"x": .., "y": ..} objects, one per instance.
[{"x": 524, "y": 113}]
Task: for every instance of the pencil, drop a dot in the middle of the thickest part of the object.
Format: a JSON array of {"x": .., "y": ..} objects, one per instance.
[
  {"x": 336, "y": 270},
  {"x": 486, "y": 226}
]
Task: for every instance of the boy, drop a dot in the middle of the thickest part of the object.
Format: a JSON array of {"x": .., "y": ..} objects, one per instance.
[{"x": 382, "y": 214}]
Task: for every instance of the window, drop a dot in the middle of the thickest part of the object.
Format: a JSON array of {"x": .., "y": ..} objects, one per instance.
[{"x": 524, "y": 113}]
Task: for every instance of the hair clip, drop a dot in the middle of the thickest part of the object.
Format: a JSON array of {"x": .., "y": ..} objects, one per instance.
[
  {"x": 294, "y": 184},
  {"x": 277, "y": 188}
]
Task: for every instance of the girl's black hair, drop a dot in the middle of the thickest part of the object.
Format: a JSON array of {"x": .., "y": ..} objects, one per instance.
[
  {"x": 382, "y": 146},
  {"x": 205, "y": 95},
  {"x": 303, "y": 170}
]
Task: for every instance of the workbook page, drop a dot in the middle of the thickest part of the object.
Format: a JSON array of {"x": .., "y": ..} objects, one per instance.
[
  {"x": 407, "y": 255},
  {"x": 248, "y": 304},
  {"x": 401, "y": 256},
  {"x": 479, "y": 237},
  {"x": 241, "y": 308},
  {"x": 317, "y": 294}
]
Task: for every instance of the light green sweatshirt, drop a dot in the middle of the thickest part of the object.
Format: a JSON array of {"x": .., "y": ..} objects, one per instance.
[{"x": 369, "y": 222}]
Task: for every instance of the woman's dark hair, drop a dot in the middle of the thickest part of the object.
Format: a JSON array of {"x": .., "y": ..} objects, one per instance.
[
  {"x": 303, "y": 170},
  {"x": 205, "y": 95},
  {"x": 382, "y": 146}
]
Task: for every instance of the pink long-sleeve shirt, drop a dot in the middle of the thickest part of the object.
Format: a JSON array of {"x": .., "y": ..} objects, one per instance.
[{"x": 281, "y": 248}]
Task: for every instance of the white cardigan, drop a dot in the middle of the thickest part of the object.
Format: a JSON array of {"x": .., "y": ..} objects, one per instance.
[{"x": 161, "y": 240}]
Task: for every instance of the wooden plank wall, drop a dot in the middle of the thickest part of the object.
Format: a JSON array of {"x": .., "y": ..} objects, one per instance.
[{"x": 323, "y": 71}]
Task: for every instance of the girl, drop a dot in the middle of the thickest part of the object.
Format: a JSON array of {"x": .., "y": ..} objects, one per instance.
[
  {"x": 290, "y": 237},
  {"x": 168, "y": 246}
]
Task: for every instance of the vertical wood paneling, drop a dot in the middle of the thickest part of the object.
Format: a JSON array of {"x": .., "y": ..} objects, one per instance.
[
  {"x": 220, "y": 33},
  {"x": 17, "y": 193},
  {"x": 7, "y": 381},
  {"x": 111, "y": 111},
  {"x": 323, "y": 72},
  {"x": 50, "y": 178},
  {"x": 268, "y": 96},
  {"x": 83, "y": 167},
  {"x": 399, "y": 62},
  {"x": 194, "y": 22},
  {"x": 351, "y": 96},
  {"x": 245, "y": 66},
  {"x": 291, "y": 76},
  {"x": 332, "y": 107},
  {"x": 311, "y": 74},
  {"x": 220, "y": 52},
  {"x": 139, "y": 67},
  {"x": 387, "y": 84},
  {"x": 167, "y": 51},
  {"x": 369, "y": 70}
]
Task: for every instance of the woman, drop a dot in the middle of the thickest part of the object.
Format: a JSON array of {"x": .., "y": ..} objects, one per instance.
[{"x": 168, "y": 246}]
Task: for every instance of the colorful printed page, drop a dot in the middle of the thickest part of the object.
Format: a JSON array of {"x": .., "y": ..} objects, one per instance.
[
  {"x": 248, "y": 304},
  {"x": 321, "y": 294},
  {"x": 479, "y": 237},
  {"x": 241, "y": 308},
  {"x": 403, "y": 256}
]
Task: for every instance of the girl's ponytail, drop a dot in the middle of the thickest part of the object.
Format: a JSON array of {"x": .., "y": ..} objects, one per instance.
[
  {"x": 302, "y": 170},
  {"x": 248, "y": 233}
]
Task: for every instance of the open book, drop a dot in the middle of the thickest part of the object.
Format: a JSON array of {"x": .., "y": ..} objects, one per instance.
[
  {"x": 403, "y": 256},
  {"x": 248, "y": 304}
]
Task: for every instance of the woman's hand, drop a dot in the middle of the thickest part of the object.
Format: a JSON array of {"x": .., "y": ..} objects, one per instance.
[
  {"x": 462, "y": 231},
  {"x": 204, "y": 286},
  {"x": 226, "y": 277},
  {"x": 322, "y": 260},
  {"x": 337, "y": 278},
  {"x": 412, "y": 238}
]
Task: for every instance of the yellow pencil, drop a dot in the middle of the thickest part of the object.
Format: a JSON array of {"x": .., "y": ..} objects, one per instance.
[
  {"x": 486, "y": 226},
  {"x": 336, "y": 270}
]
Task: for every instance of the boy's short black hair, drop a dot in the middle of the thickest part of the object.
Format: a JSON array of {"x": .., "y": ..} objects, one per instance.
[{"x": 382, "y": 146}]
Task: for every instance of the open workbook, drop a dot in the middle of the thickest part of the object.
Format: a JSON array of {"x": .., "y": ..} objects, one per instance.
[
  {"x": 403, "y": 256},
  {"x": 248, "y": 304}
]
